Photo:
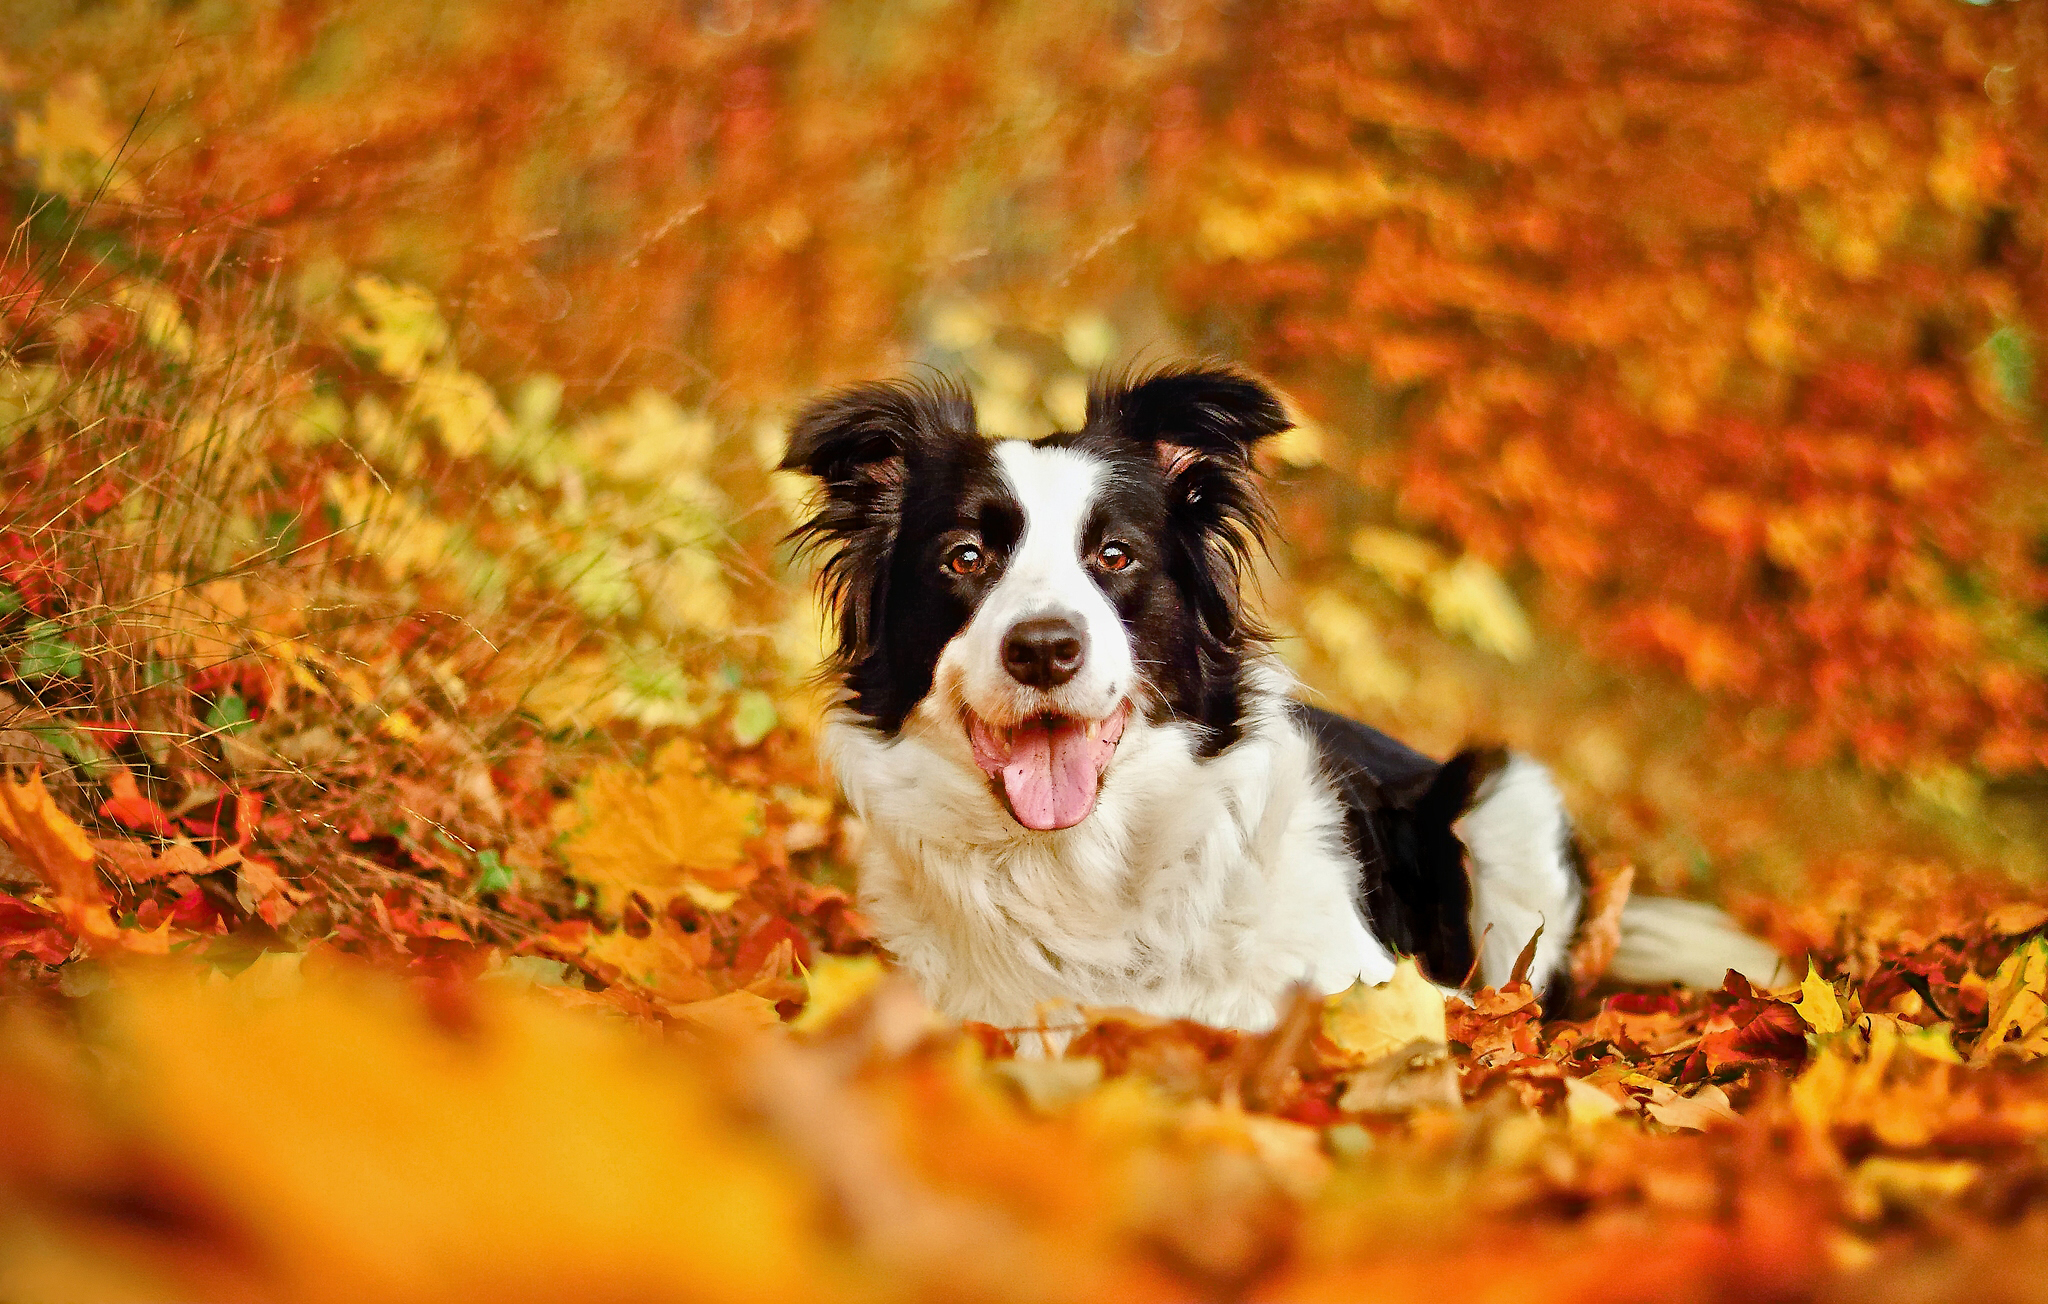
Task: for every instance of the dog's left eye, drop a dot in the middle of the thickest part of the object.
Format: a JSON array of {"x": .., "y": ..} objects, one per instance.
[
  {"x": 1113, "y": 556},
  {"x": 965, "y": 559}
]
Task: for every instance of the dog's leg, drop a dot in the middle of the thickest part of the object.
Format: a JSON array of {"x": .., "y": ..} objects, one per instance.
[{"x": 1524, "y": 873}]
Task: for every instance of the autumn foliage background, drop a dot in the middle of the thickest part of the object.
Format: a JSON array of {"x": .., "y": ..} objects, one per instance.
[{"x": 418, "y": 881}]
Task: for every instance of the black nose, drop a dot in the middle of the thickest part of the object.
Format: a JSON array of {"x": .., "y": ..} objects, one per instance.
[{"x": 1044, "y": 652}]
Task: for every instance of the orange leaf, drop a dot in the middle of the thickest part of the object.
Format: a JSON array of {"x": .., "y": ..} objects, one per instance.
[
  {"x": 130, "y": 808},
  {"x": 138, "y": 864},
  {"x": 51, "y": 843}
]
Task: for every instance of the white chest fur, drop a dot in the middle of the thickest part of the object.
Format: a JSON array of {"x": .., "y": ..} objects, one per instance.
[{"x": 1197, "y": 889}]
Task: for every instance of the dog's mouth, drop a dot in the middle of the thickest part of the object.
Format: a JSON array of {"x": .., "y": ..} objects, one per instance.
[{"x": 1049, "y": 766}]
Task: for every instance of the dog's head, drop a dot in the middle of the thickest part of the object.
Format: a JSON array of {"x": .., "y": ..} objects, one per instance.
[{"x": 1035, "y": 594}]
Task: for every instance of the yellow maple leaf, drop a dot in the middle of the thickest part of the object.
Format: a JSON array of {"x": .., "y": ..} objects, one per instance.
[
  {"x": 1347, "y": 636},
  {"x": 1402, "y": 561},
  {"x": 160, "y": 315},
  {"x": 679, "y": 830},
  {"x": 461, "y": 409},
  {"x": 1817, "y": 1004},
  {"x": 74, "y": 143},
  {"x": 52, "y": 844},
  {"x": 834, "y": 984},
  {"x": 1470, "y": 600},
  {"x": 667, "y": 963},
  {"x": 2017, "y": 1022},
  {"x": 1374, "y": 1022}
]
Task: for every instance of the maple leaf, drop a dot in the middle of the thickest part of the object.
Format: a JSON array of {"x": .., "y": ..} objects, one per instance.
[
  {"x": 1499, "y": 1025},
  {"x": 1759, "y": 1032},
  {"x": 834, "y": 984},
  {"x": 1818, "y": 1004},
  {"x": 1698, "y": 1112},
  {"x": 1372, "y": 1022},
  {"x": 51, "y": 843},
  {"x": 439, "y": 1166},
  {"x": 30, "y": 930},
  {"x": 680, "y": 830},
  {"x": 2017, "y": 1006},
  {"x": 127, "y": 806},
  {"x": 138, "y": 863}
]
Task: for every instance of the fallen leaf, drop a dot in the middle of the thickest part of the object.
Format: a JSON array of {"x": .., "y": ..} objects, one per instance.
[
  {"x": 1586, "y": 1104},
  {"x": 51, "y": 843},
  {"x": 1369, "y": 1023},
  {"x": 127, "y": 806},
  {"x": 1599, "y": 937},
  {"x": 1881, "y": 1182},
  {"x": 1818, "y": 1004},
  {"x": 2019, "y": 917},
  {"x": 32, "y": 931},
  {"x": 658, "y": 835},
  {"x": 138, "y": 863},
  {"x": 835, "y": 984},
  {"x": 2016, "y": 1005},
  {"x": 1421, "y": 1075},
  {"x": 540, "y": 1154},
  {"x": 1705, "y": 1108}
]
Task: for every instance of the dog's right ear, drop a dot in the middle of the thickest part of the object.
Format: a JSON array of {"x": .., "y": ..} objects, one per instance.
[{"x": 859, "y": 444}]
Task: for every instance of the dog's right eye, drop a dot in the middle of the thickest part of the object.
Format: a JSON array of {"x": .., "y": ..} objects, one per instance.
[{"x": 965, "y": 559}]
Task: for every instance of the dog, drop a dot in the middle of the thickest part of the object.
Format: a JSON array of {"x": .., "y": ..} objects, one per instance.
[{"x": 1085, "y": 778}]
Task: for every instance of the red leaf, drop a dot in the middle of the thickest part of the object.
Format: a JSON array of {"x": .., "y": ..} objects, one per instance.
[
  {"x": 130, "y": 809},
  {"x": 1773, "y": 1033},
  {"x": 32, "y": 931}
]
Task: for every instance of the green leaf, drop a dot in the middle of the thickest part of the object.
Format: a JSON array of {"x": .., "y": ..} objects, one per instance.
[
  {"x": 229, "y": 714},
  {"x": 2011, "y": 355},
  {"x": 496, "y": 876},
  {"x": 45, "y": 653},
  {"x": 90, "y": 758},
  {"x": 753, "y": 715},
  {"x": 10, "y": 601}
]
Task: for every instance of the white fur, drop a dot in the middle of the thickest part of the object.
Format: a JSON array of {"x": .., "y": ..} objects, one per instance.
[
  {"x": 1044, "y": 576},
  {"x": 1197, "y": 889},
  {"x": 1515, "y": 837}
]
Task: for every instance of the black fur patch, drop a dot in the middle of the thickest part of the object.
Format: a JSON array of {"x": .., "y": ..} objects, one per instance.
[
  {"x": 1414, "y": 889},
  {"x": 905, "y": 474},
  {"x": 901, "y": 465}
]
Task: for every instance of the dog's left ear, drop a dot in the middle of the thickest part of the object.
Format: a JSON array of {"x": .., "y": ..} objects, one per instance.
[
  {"x": 1202, "y": 421},
  {"x": 1193, "y": 412}
]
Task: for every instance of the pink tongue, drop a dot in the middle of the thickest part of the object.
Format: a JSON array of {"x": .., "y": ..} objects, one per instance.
[
  {"x": 1052, "y": 772},
  {"x": 1050, "y": 767}
]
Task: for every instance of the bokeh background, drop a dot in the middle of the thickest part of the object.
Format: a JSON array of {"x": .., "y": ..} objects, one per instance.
[
  {"x": 1712, "y": 330},
  {"x": 389, "y": 392},
  {"x": 1668, "y": 377}
]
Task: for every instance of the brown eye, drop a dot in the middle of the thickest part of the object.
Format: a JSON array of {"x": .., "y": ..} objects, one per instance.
[
  {"x": 1112, "y": 556},
  {"x": 965, "y": 559}
]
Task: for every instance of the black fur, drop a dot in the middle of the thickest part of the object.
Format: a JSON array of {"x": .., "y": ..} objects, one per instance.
[
  {"x": 905, "y": 474},
  {"x": 1197, "y": 426},
  {"x": 894, "y": 459},
  {"x": 1399, "y": 806}
]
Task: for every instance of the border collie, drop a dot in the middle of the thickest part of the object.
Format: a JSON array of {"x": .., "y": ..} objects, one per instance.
[{"x": 1084, "y": 776}]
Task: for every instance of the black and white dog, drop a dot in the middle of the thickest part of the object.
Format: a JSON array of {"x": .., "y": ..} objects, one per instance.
[{"x": 1083, "y": 775}]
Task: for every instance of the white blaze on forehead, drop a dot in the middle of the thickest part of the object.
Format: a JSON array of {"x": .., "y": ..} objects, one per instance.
[
  {"x": 1045, "y": 575},
  {"x": 1055, "y": 487}
]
